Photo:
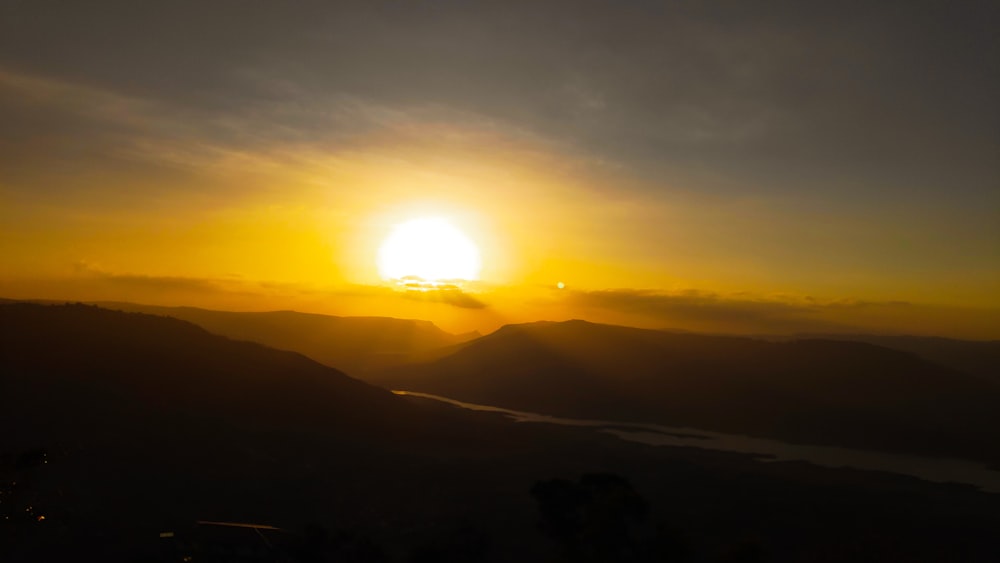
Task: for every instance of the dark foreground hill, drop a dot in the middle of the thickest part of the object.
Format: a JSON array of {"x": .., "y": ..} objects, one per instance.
[
  {"x": 164, "y": 370},
  {"x": 118, "y": 427},
  {"x": 351, "y": 344},
  {"x": 806, "y": 391},
  {"x": 148, "y": 420}
]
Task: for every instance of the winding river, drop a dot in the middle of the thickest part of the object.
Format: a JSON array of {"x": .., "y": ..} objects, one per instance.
[{"x": 938, "y": 470}]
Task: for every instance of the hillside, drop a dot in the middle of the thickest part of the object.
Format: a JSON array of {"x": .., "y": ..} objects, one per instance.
[
  {"x": 120, "y": 426},
  {"x": 979, "y": 358},
  {"x": 166, "y": 367},
  {"x": 149, "y": 420},
  {"x": 352, "y": 344},
  {"x": 806, "y": 391}
]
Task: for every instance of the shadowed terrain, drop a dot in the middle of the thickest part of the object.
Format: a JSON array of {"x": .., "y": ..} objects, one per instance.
[
  {"x": 805, "y": 391},
  {"x": 980, "y": 358},
  {"x": 129, "y": 424},
  {"x": 352, "y": 344}
]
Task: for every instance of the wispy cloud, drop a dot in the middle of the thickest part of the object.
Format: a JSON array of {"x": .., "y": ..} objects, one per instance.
[
  {"x": 178, "y": 286},
  {"x": 454, "y": 297},
  {"x": 697, "y": 308}
]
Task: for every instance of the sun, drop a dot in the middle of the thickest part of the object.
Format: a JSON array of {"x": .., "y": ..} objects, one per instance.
[{"x": 430, "y": 248}]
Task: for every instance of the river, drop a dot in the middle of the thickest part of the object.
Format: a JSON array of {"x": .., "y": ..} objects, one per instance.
[{"x": 938, "y": 470}]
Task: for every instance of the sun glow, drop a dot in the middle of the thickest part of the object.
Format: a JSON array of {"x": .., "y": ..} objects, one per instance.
[{"x": 431, "y": 249}]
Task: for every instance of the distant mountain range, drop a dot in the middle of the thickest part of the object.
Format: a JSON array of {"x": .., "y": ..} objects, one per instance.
[
  {"x": 351, "y": 344},
  {"x": 901, "y": 393},
  {"x": 358, "y": 345},
  {"x": 980, "y": 358},
  {"x": 121, "y": 426},
  {"x": 805, "y": 391},
  {"x": 122, "y": 365}
]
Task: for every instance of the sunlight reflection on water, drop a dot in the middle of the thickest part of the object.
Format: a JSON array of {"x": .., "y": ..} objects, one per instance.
[{"x": 938, "y": 470}]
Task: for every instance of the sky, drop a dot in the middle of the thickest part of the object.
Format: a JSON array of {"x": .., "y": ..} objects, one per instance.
[{"x": 763, "y": 167}]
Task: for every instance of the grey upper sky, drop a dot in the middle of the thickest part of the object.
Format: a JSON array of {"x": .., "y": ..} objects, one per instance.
[{"x": 869, "y": 98}]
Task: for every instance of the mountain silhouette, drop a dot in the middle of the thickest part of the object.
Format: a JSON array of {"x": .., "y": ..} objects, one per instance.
[
  {"x": 351, "y": 344},
  {"x": 149, "y": 420},
  {"x": 83, "y": 373},
  {"x": 980, "y": 358},
  {"x": 805, "y": 391},
  {"x": 123, "y": 426}
]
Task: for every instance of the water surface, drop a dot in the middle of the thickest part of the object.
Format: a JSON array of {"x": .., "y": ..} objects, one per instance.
[{"x": 938, "y": 470}]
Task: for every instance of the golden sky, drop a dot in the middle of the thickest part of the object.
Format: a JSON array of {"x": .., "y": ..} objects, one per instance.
[{"x": 732, "y": 189}]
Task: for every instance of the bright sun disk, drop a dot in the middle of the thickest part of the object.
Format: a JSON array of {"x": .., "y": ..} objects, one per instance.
[{"x": 430, "y": 248}]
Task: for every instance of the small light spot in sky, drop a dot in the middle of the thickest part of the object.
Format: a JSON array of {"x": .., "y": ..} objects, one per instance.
[{"x": 561, "y": 285}]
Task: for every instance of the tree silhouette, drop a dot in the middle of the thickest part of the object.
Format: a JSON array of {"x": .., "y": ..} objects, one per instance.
[{"x": 593, "y": 520}]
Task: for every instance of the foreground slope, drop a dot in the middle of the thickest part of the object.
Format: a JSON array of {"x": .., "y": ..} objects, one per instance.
[
  {"x": 352, "y": 344},
  {"x": 121, "y": 364},
  {"x": 147, "y": 423},
  {"x": 807, "y": 391},
  {"x": 149, "y": 420}
]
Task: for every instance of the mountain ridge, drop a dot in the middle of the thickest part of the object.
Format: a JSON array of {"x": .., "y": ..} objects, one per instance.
[
  {"x": 354, "y": 344},
  {"x": 145, "y": 422},
  {"x": 819, "y": 391}
]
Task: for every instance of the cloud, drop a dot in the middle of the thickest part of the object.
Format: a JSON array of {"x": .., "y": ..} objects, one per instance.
[
  {"x": 454, "y": 297},
  {"x": 129, "y": 283},
  {"x": 872, "y": 113},
  {"x": 156, "y": 148},
  {"x": 141, "y": 286},
  {"x": 765, "y": 96},
  {"x": 776, "y": 314},
  {"x": 734, "y": 313}
]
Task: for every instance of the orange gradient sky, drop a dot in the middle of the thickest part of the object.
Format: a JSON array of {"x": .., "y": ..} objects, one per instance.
[{"x": 268, "y": 178}]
